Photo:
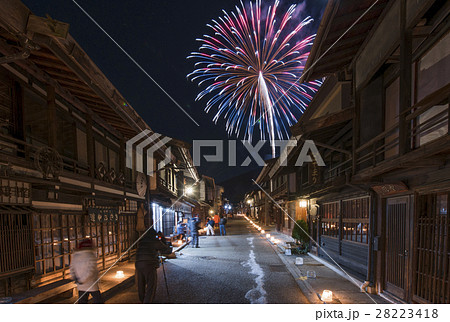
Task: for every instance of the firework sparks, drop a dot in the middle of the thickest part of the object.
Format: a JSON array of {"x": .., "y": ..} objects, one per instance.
[{"x": 251, "y": 71}]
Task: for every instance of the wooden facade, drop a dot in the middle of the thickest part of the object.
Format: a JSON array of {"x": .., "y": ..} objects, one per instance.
[
  {"x": 379, "y": 207},
  {"x": 63, "y": 173}
]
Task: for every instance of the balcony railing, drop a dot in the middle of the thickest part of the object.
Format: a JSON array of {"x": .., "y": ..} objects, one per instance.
[
  {"x": 167, "y": 186},
  {"x": 338, "y": 170},
  {"x": 280, "y": 190},
  {"x": 18, "y": 152},
  {"x": 426, "y": 121}
]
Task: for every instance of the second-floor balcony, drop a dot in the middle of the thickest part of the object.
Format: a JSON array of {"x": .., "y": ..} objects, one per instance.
[
  {"x": 421, "y": 132},
  {"x": 42, "y": 161},
  {"x": 280, "y": 191},
  {"x": 40, "y": 157},
  {"x": 166, "y": 186}
]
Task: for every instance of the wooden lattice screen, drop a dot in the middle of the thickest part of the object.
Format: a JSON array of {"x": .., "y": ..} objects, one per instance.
[
  {"x": 16, "y": 243},
  {"x": 432, "y": 252}
]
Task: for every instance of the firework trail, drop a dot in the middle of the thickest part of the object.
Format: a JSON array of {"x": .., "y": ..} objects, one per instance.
[{"x": 251, "y": 71}]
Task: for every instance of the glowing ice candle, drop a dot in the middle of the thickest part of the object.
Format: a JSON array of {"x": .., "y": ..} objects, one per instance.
[
  {"x": 327, "y": 296},
  {"x": 120, "y": 274}
]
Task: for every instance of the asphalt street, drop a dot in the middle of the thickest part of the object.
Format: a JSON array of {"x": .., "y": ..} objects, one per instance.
[{"x": 241, "y": 267}]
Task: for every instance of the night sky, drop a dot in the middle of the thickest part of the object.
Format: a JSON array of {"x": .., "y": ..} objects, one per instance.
[{"x": 159, "y": 35}]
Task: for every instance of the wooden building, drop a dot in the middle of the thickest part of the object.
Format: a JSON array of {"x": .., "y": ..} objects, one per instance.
[
  {"x": 63, "y": 174},
  {"x": 381, "y": 122}
]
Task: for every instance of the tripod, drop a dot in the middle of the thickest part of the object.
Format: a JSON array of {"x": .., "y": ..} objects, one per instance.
[{"x": 165, "y": 278}]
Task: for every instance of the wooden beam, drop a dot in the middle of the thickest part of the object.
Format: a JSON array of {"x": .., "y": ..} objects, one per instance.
[
  {"x": 324, "y": 27},
  {"x": 359, "y": 29},
  {"x": 29, "y": 67},
  {"x": 330, "y": 147},
  {"x": 58, "y": 73},
  {"x": 71, "y": 54},
  {"x": 52, "y": 64},
  {"x": 331, "y": 67},
  {"x": 71, "y": 83},
  {"x": 46, "y": 26},
  {"x": 43, "y": 54},
  {"x": 350, "y": 17},
  {"x": 89, "y": 101},
  {"x": 421, "y": 31},
  {"x": 90, "y": 146},
  {"x": 356, "y": 40},
  {"x": 426, "y": 163},
  {"x": 51, "y": 117},
  {"x": 405, "y": 80},
  {"x": 82, "y": 93},
  {"x": 323, "y": 122}
]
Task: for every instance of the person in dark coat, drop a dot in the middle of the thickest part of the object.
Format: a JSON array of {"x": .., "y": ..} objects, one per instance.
[
  {"x": 147, "y": 261},
  {"x": 194, "y": 227},
  {"x": 222, "y": 223}
]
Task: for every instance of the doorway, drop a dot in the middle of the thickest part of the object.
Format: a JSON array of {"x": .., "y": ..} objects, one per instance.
[{"x": 398, "y": 245}]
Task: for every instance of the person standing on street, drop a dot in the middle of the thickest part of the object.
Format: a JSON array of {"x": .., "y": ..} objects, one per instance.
[
  {"x": 222, "y": 223},
  {"x": 84, "y": 272},
  {"x": 181, "y": 229},
  {"x": 210, "y": 227},
  {"x": 216, "y": 220},
  {"x": 149, "y": 247},
  {"x": 194, "y": 227}
]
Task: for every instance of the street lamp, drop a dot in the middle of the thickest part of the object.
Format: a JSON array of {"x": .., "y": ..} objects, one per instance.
[
  {"x": 189, "y": 190},
  {"x": 303, "y": 203},
  {"x": 211, "y": 211}
]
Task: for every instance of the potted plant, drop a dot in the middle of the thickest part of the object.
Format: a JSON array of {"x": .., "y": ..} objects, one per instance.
[{"x": 301, "y": 236}]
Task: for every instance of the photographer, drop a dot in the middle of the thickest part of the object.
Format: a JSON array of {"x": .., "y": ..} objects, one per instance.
[
  {"x": 147, "y": 261},
  {"x": 194, "y": 227}
]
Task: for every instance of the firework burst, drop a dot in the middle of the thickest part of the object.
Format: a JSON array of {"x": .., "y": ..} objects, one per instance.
[{"x": 251, "y": 71}]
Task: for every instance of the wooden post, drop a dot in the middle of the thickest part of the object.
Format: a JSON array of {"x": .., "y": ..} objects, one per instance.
[
  {"x": 405, "y": 81},
  {"x": 356, "y": 121},
  {"x": 51, "y": 117},
  {"x": 340, "y": 237},
  {"x": 448, "y": 116},
  {"x": 90, "y": 145},
  {"x": 122, "y": 156}
]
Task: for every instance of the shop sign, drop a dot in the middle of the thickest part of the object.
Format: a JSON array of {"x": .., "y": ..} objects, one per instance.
[
  {"x": 314, "y": 173},
  {"x": 390, "y": 189},
  {"x": 103, "y": 214},
  {"x": 15, "y": 192}
]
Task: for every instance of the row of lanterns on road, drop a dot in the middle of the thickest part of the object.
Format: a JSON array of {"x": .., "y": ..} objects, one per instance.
[
  {"x": 327, "y": 295},
  {"x": 272, "y": 239}
]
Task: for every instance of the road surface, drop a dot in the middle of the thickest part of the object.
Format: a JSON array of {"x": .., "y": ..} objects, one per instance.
[{"x": 241, "y": 267}]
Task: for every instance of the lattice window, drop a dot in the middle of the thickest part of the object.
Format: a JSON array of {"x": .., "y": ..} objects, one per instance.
[
  {"x": 355, "y": 220},
  {"x": 16, "y": 243},
  {"x": 55, "y": 236},
  {"x": 432, "y": 252},
  {"x": 330, "y": 220},
  {"x": 127, "y": 232}
]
